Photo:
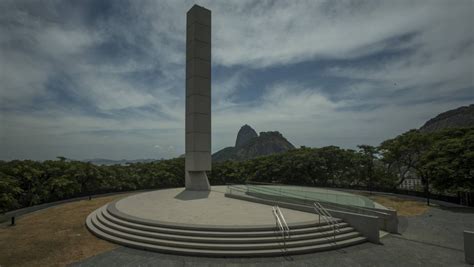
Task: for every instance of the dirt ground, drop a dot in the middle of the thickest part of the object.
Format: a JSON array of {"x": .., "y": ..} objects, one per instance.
[
  {"x": 404, "y": 207},
  {"x": 55, "y": 236}
]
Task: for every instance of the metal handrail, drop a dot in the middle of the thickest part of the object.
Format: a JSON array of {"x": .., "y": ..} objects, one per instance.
[
  {"x": 285, "y": 225},
  {"x": 320, "y": 214},
  {"x": 278, "y": 222},
  {"x": 327, "y": 217},
  {"x": 326, "y": 213}
]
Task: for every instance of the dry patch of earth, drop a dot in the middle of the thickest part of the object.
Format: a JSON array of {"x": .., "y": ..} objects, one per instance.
[
  {"x": 403, "y": 206},
  {"x": 55, "y": 236}
]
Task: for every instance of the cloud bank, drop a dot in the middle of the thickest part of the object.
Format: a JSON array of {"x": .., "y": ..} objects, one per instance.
[{"x": 106, "y": 78}]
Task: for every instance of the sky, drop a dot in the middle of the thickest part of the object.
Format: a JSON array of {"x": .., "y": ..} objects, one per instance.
[{"x": 105, "y": 79}]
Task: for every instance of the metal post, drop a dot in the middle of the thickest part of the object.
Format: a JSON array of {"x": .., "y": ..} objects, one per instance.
[{"x": 427, "y": 192}]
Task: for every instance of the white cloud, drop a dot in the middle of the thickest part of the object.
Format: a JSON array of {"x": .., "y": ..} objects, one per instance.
[
  {"x": 291, "y": 32},
  {"x": 22, "y": 78},
  {"x": 308, "y": 118},
  {"x": 68, "y": 133},
  {"x": 435, "y": 62},
  {"x": 225, "y": 89},
  {"x": 109, "y": 93},
  {"x": 282, "y": 107}
]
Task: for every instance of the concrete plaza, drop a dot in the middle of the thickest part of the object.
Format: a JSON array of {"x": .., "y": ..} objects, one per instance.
[{"x": 431, "y": 239}]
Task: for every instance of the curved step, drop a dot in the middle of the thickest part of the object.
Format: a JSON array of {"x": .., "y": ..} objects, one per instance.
[
  {"x": 276, "y": 243},
  {"x": 221, "y": 253},
  {"x": 219, "y": 239},
  {"x": 219, "y": 242},
  {"x": 112, "y": 210},
  {"x": 217, "y": 233}
]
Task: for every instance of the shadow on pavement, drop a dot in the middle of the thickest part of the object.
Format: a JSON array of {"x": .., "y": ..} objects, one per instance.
[{"x": 192, "y": 195}]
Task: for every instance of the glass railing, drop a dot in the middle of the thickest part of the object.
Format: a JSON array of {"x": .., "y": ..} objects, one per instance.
[{"x": 305, "y": 193}]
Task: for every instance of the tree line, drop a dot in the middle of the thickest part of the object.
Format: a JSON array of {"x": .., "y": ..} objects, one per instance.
[{"x": 442, "y": 160}]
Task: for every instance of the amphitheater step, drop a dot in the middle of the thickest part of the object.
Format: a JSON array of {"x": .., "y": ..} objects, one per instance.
[
  {"x": 223, "y": 246},
  {"x": 223, "y": 253},
  {"x": 219, "y": 239},
  {"x": 309, "y": 228},
  {"x": 264, "y": 241}
]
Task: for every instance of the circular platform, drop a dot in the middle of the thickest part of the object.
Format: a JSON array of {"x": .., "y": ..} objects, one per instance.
[
  {"x": 200, "y": 208},
  {"x": 210, "y": 224}
]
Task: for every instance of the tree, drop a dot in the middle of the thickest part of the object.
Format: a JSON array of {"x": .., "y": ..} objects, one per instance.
[
  {"x": 450, "y": 161},
  {"x": 402, "y": 153},
  {"x": 9, "y": 193},
  {"x": 442, "y": 160},
  {"x": 368, "y": 158}
]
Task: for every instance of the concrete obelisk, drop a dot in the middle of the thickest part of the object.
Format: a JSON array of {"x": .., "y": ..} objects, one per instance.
[{"x": 198, "y": 98}]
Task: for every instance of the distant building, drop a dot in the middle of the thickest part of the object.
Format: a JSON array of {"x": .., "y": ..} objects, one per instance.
[{"x": 410, "y": 184}]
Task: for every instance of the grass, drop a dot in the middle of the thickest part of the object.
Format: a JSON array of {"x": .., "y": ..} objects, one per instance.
[
  {"x": 55, "y": 236},
  {"x": 404, "y": 207}
]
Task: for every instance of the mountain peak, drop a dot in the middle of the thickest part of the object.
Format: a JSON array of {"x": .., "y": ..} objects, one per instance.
[
  {"x": 250, "y": 145},
  {"x": 246, "y": 133},
  {"x": 455, "y": 118}
]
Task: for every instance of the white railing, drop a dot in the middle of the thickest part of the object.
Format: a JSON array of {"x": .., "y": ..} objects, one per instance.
[
  {"x": 285, "y": 225},
  {"x": 327, "y": 217},
  {"x": 278, "y": 222}
]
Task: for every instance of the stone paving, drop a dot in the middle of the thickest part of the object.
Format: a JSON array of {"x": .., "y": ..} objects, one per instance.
[
  {"x": 183, "y": 207},
  {"x": 432, "y": 239}
]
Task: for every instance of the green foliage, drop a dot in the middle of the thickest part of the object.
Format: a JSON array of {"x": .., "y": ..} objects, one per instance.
[
  {"x": 444, "y": 160},
  {"x": 449, "y": 163},
  {"x": 9, "y": 192},
  {"x": 403, "y": 153},
  {"x": 327, "y": 166},
  {"x": 26, "y": 183}
]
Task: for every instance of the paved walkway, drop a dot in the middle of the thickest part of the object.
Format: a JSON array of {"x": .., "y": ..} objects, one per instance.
[
  {"x": 432, "y": 239},
  {"x": 184, "y": 207}
]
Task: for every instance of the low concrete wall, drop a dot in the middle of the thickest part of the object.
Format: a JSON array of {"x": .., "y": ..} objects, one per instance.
[
  {"x": 391, "y": 222},
  {"x": 367, "y": 225},
  {"x": 387, "y": 218},
  {"x": 469, "y": 246}
]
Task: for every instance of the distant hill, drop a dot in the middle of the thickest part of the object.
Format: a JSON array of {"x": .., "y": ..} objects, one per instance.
[
  {"x": 250, "y": 145},
  {"x": 99, "y": 161},
  {"x": 455, "y": 118}
]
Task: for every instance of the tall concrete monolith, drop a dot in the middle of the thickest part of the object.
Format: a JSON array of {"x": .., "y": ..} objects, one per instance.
[{"x": 198, "y": 98}]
